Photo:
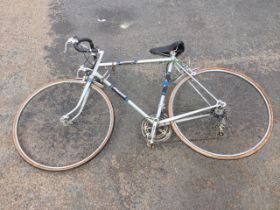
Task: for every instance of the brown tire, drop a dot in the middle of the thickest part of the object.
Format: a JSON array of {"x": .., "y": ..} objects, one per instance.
[
  {"x": 244, "y": 129},
  {"x": 38, "y": 136}
]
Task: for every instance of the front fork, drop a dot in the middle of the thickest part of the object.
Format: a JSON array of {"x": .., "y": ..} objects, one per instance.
[{"x": 67, "y": 119}]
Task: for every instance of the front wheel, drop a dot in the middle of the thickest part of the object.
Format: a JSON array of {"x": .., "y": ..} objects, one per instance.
[
  {"x": 46, "y": 143},
  {"x": 238, "y": 130}
]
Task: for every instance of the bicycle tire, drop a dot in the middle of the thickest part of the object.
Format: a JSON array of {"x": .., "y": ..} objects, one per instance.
[
  {"x": 226, "y": 156},
  {"x": 30, "y": 116}
]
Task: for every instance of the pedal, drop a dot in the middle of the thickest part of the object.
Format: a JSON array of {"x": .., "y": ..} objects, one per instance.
[{"x": 150, "y": 145}]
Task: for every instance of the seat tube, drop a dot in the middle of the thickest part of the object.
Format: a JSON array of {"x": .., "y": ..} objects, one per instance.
[
  {"x": 161, "y": 101},
  {"x": 164, "y": 88}
]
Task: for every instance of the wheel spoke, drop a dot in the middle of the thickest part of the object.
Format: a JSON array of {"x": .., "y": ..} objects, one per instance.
[
  {"x": 44, "y": 142},
  {"x": 248, "y": 116}
]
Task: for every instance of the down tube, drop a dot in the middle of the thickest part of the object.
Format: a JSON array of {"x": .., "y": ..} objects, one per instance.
[{"x": 125, "y": 98}]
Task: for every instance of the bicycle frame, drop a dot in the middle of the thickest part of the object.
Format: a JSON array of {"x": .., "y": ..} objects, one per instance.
[{"x": 172, "y": 62}]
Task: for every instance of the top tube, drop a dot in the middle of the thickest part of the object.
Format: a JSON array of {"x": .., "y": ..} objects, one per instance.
[{"x": 158, "y": 60}]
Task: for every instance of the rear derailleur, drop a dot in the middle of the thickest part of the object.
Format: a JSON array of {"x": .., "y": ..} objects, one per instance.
[{"x": 221, "y": 115}]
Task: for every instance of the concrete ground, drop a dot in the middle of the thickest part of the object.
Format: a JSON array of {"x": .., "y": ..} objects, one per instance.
[{"x": 241, "y": 35}]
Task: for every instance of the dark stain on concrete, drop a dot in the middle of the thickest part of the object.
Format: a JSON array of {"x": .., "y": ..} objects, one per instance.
[{"x": 126, "y": 174}]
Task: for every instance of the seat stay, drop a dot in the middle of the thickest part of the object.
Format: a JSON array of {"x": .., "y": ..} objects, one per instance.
[{"x": 191, "y": 74}]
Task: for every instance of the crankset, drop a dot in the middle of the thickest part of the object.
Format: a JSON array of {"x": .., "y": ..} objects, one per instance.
[{"x": 162, "y": 134}]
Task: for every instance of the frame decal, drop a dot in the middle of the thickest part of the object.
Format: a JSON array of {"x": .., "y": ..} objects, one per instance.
[{"x": 117, "y": 91}]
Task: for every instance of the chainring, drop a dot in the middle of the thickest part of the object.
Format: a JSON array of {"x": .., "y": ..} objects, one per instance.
[{"x": 163, "y": 133}]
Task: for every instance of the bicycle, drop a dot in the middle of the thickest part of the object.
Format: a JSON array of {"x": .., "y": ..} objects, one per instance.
[{"x": 217, "y": 112}]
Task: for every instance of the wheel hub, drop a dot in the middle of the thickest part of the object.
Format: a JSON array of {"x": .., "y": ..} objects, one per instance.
[{"x": 219, "y": 112}]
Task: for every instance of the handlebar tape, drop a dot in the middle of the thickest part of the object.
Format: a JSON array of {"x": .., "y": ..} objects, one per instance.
[{"x": 80, "y": 49}]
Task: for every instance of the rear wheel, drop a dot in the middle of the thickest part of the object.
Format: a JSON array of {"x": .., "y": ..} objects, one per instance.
[
  {"x": 44, "y": 142},
  {"x": 238, "y": 130}
]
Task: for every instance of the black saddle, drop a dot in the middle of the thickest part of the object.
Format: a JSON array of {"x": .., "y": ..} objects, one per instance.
[{"x": 178, "y": 47}]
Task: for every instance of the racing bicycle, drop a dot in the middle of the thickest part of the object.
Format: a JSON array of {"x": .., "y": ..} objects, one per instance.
[{"x": 217, "y": 112}]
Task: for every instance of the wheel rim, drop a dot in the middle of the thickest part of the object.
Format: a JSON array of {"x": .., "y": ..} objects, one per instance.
[
  {"x": 40, "y": 165},
  {"x": 237, "y": 155}
]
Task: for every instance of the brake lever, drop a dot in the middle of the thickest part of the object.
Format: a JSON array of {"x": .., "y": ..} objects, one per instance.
[{"x": 71, "y": 40}]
